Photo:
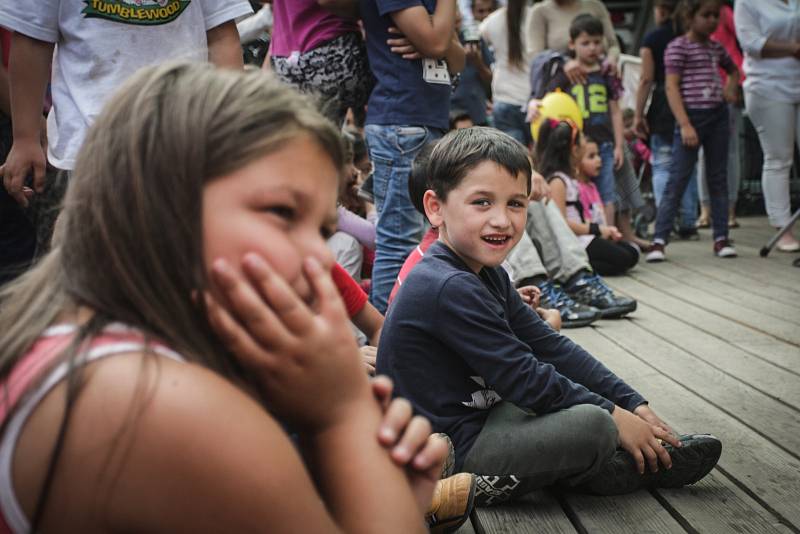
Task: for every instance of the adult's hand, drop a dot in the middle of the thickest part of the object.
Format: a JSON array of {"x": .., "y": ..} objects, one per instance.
[
  {"x": 401, "y": 45},
  {"x": 27, "y": 157}
]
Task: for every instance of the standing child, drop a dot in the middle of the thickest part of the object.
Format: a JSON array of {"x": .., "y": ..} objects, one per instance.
[
  {"x": 697, "y": 100},
  {"x": 597, "y": 99},
  {"x": 560, "y": 148}
]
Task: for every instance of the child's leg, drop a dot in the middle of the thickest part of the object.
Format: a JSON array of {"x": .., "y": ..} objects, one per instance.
[
  {"x": 714, "y": 137},
  {"x": 524, "y": 262},
  {"x": 562, "y": 252},
  {"x": 609, "y": 258},
  {"x": 526, "y": 452},
  {"x": 605, "y": 180},
  {"x": 683, "y": 162}
]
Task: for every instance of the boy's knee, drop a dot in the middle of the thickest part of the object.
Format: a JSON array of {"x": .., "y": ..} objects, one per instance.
[{"x": 598, "y": 429}]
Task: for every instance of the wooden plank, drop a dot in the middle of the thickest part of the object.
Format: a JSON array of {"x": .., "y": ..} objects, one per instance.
[
  {"x": 751, "y": 407},
  {"x": 699, "y": 505},
  {"x": 758, "y": 343},
  {"x": 466, "y": 528},
  {"x": 739, "y": 312},
  {"x": 754, "y": 301},
  {"x": 771, "y": 476},
  {"x": 534, "y": 513},
  {"x": 623, "y": 514},
  {"x": 769, "y": 379}
]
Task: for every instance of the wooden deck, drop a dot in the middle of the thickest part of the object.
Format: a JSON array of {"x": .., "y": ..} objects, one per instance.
[{"x": 715, "y": 347}]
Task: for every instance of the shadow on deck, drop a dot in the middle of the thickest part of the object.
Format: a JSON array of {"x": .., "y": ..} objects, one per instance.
[{"x": 715, "y": 347}]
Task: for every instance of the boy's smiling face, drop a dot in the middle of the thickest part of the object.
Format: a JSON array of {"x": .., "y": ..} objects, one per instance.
[{"x": 483, "y": 217}]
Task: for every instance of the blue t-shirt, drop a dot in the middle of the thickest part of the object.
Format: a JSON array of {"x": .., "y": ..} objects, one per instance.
[
  {"x": 470, "y": 93},
  {"x": 401, "y": 96},
  {"x": 455, "y": 343}
]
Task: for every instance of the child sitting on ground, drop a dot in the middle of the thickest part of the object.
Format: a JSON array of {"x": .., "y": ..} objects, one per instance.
[
  {"x": 519, "y": 400},
  {"x": 561, "y": 146}
]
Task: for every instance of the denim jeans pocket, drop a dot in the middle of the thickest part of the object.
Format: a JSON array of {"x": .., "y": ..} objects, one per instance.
[{"x": 410, "y": 138}]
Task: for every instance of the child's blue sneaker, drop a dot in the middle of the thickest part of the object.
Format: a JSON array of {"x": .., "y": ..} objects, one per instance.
[
  {"x": 590, "y": 289},
  {"x": 573, "y": 314}
]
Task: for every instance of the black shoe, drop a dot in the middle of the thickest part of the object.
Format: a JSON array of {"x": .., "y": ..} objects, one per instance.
[
  {"x": 592, "y": 291},
  {"x": 689, "y": 234},
  {"x": 691, "y": 462},
  {"x": 573, "y": 314}
]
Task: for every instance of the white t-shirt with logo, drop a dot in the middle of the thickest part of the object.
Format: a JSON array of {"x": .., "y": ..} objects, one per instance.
[{"x": 100, "y": 43}]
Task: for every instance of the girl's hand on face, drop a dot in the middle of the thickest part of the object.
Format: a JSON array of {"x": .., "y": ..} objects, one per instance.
[
  {"x": 689, "y": 136},
  {"x": 306, "y": 359},
  {"x": 411, "y": 444}
]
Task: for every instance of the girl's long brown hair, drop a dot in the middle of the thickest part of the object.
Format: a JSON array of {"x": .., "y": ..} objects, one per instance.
[
  {"x": 514, "y": 12},
  {"x": 129, "y": 243}
]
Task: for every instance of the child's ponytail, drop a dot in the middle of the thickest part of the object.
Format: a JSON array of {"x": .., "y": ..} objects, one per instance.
[{"x": 554, "y": 149}]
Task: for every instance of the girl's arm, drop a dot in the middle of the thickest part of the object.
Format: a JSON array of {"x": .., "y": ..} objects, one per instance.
[
  {"x": 675, "y": 100},
  {"x": 619, "y": 132},
  {"x": 646, "y": 77},
  {"x": 370, "y": 321},
  {"x": 358, "y": 227},
  {"x": 558, "y": 193}
]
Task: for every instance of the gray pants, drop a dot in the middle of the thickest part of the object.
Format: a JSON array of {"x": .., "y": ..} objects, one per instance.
[
  {"x": 549, "y": 247},
  {"x": 518, "y": 452}
]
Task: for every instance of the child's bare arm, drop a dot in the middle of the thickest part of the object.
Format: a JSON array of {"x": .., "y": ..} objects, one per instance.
[
  {"x": 224, "y": 47},
  {"x": 431, "y": 35},
  {"x": 29, "y": 70},
  {"x": 731, "y": 92},
  {"x": 646, "y": 76},
  {"x": 675, "y": 100},
  {"x": 619, "y": 131}
]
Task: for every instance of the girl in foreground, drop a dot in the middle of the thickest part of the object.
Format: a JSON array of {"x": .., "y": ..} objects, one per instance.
[{"x": 192, "y": 249}]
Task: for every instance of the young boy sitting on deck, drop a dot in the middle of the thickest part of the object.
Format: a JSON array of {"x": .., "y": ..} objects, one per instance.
[{"x": 519, "y": 400}]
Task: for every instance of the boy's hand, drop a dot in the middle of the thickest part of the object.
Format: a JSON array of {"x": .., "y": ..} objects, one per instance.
[
  {"x": 412, "y": 445},
  {"x": 369, "y": 355},
  {"x": 689, "y": 136},
  {"x": 643, "y": 440},
  {"x": 645, "y": 412},
  {"x": 619, "y": 157},
  {"x": 402, "y": 46},
  {"x": 551, "y": 317},
  {"x": 27, "y": 157},
  {"x": 640, "y": 127},
  {"x": 530, "y": 295}
]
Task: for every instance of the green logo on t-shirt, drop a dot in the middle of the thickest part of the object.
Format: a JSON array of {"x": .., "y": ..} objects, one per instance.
[{"x": 141, "y": 12}]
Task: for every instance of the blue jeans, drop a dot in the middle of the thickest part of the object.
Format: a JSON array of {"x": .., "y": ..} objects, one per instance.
[
  {"x": 712, "y": 130},
  {"x": 392, "y": 149},
  {"x": 661, "y": 147},
  {"x": 510, "y": 118},
  {"x": 605, "y": 180}
]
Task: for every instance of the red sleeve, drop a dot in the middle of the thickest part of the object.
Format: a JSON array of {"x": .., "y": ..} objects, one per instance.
[{"x": 352, "y": 294}]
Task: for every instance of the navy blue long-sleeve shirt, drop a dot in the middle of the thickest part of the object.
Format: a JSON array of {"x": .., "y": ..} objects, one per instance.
[{"x": 456, "y": 342}]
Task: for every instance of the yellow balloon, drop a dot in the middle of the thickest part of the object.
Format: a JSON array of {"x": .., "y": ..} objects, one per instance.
[{"x": 557, "y": 105}]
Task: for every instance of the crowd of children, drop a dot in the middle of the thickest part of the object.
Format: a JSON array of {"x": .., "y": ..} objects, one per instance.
[{"x": 228, "y": 261}]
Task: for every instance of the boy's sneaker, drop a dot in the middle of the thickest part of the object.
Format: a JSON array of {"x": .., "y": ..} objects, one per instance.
[
  {"x": 452, "y": 502},
  {"x": 590, "y": 289},
  {"x": 724, "y": 249},
  {"x": 573, "y": 314},
  {"x": 656, "y": 254},
  {"x": 691, "y": 462}
]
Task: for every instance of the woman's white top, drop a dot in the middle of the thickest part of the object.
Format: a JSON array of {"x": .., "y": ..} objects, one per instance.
[
  {"x": 759, "y": 20},
  {"x": 509, "y": 84}
]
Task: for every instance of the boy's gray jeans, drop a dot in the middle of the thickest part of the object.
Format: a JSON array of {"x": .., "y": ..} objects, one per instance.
[
  {"x": 548, "y": 247},
  {"x": 518, "y": 452}
]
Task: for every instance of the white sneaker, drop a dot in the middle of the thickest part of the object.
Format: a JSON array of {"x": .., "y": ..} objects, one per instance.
[
  {"x": 656, "y": 254},
  {"x": 724, "y": 249}
]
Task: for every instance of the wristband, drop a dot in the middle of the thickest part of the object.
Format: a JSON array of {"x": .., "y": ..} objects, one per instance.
[{"x": 594, "y": 229}]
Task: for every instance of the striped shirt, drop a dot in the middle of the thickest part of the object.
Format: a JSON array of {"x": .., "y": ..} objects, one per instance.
[{"x": 698, "y": 66}]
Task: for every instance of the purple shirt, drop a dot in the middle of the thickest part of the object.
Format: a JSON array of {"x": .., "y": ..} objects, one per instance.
[
  {"x": 302, "y": 25},
  {"x": 698, "y": 66}
]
